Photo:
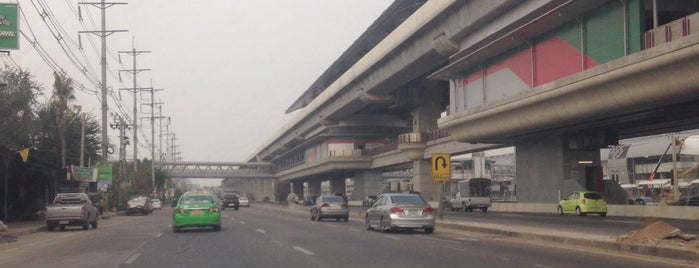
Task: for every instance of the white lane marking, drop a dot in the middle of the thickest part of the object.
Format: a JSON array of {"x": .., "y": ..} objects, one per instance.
[
  {"x": 391, "y": 237},
  {"x": 467, "y": 239},
  {"x": 436, "y": 239},
  {"x": 304, "y": 251},
  {"x": 159, "y": 234},
  {"x": 132, "y": 258},
  {"x": 261, "y": 231},
  {"x": 541, "y": 266},
  {"x": 242, "y": 222}
]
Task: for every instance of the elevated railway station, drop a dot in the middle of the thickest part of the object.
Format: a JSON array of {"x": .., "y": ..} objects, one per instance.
[{"x": 555, "y": 80}]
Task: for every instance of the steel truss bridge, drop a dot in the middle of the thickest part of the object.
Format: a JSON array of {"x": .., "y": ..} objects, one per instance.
[{"x": 219, "y": 170}]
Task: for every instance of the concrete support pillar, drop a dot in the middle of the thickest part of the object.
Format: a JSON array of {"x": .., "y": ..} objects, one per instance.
[
  {"x": 479, "y": 165},
  {"x": 366, "y": 183},
  {"x": 267, "y": 189},
  {"x": 547, "y": 167},
  {"x": 422, "y": 180},
  {"x": 425, "y": 116},
  {"x": 314, "y": 187},
  {"x": 282, "y": 190},
  {"x": 297, "y": 188},
  {"x": 337, "y": 185}
]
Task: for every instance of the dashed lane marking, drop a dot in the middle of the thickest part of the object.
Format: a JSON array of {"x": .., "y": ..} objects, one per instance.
[
  {"x": 304, "y": 251},
  {"x": 391, "y": 237},
  {"x": 261, "y": 231},
  {"x": 436, "y": 239},
  {"x": 132, "y": 258}
]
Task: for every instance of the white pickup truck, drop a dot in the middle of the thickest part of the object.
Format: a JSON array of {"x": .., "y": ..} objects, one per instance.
[
  {"x": 71, "y": 209},
  {"x": 472, "y": 194}
]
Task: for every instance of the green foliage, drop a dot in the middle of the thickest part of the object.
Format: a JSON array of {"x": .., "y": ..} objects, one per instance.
[{"x": 18, "y": 93}]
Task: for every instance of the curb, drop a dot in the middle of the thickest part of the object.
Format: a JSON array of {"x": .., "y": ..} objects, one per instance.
[{"x": 648, "y": 250}]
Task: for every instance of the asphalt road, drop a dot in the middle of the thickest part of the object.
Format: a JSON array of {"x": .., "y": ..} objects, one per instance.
[{"x": 261, "y": 236}]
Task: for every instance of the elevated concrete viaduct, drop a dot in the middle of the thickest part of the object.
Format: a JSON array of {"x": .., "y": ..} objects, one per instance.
[{"x": 558, "y": 80}]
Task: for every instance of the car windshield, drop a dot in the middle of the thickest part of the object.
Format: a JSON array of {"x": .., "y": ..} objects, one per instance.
[
  {"x": 196, "y": 199},
  {"x": 593, "y": 196},
  {"x": 407, "y": 199}
]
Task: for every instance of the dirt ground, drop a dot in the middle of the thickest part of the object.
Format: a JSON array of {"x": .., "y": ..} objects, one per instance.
[{"x": 661, "y": 233}]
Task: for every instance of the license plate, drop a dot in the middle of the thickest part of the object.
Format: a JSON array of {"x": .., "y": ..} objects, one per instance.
[
  {"x": 196, "y": 212},
  {"x": 63, "y": 222}
]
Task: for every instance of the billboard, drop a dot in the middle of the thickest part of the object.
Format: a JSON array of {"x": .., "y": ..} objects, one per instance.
[
  {"x": 9, "y": 27},
  {"x": 104, "y": 177}
]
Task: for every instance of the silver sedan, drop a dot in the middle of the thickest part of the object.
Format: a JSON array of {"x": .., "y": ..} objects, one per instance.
[
  {"x": 393, "y": 211},
  {"x": 330, "y": 207}
]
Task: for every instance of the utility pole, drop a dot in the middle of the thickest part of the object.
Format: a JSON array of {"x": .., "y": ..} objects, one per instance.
[
  {"x": 103, "y": 34},
  {"x": 135, "y": 89},
  {"x": 152, "y": 134}
]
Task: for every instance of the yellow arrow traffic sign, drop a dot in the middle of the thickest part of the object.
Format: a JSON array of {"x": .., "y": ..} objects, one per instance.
[{"x": 441, "y": 167}]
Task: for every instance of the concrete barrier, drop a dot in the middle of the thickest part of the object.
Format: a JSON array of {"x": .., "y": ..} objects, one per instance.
[{"x": 659, "y": 211}]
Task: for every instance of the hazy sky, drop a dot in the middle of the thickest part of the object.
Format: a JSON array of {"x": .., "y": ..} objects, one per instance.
[{"x": 229, "y": 68}]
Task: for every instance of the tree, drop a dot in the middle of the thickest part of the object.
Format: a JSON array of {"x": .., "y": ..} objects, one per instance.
[
  {"x": 63, "y": 94},
  {"x": 18, "y": 92}
]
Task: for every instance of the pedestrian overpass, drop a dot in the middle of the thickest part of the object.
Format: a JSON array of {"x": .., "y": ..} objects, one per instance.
[{"x": 218, "y": 170}]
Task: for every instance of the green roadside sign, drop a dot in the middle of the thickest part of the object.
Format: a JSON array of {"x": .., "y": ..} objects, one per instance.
[{"x": 9, "y": 26}]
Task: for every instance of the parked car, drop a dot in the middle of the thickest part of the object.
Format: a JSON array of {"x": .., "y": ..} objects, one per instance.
[
  {"x": 644, "y": 200},
  {"x": 310, "y": 200},
  {"x": 244, "y": 201},
  {"x": 583, "y": 202},
  {"x": 692, "y": 200},
  {"x": 330, "y": 206},
  {"x": 292, "y": 198},
  {"x": 196, "y": 210},
  {"x": 156, "y": 204},
  {"x": 71, "y": 209},
  {"x": 393, "y": 211},
  {"x": 230, "y": 200},
  {"x": 139, "y": 204}
]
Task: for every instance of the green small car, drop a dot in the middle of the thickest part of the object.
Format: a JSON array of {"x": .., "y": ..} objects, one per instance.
[
  {"x": 196, "y": 210},
  {"x": 583, "y": 202}
]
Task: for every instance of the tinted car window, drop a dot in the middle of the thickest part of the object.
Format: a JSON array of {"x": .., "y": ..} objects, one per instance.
[
  {"x": 407, "y": 199},
  {"x": 337, "y": 199},
  {"x": 593, "y": 196},
  {"x": 196, "y": 199}
]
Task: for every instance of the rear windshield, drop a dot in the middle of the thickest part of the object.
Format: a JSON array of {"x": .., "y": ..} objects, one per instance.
[
  {"x": 69, "y": 201},
  {"x": 593, "y": 196},
  {"x": 407, "y": 199},
  {"x": 229, "y": 197},
  {"x": 196, "y": 199},
  {"x": 333, "y": 199}
]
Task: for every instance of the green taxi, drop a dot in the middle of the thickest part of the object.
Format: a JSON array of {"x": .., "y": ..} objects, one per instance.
[
  {"x": 196, "y": 210},
  {"x": 583, "y": 202}
]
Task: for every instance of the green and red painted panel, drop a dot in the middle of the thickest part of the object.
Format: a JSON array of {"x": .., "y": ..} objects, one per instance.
[{"x": 561, "y": 53}]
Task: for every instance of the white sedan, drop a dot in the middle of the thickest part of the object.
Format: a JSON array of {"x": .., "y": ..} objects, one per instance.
[
  {"x": 156, "y": 204},
  {"x": 244, "y": 201}
]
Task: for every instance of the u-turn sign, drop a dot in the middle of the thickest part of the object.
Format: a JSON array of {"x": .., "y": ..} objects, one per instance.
[{"x": 441, "y": 167}]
